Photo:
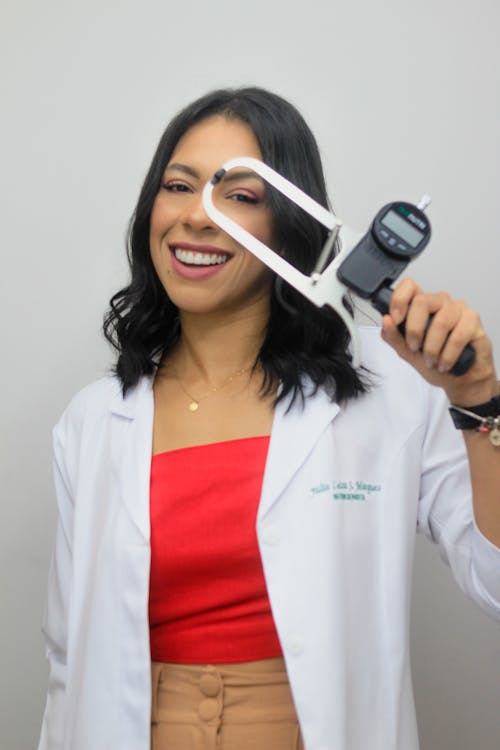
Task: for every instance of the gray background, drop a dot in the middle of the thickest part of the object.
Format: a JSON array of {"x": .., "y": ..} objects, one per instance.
[{"x": 403, "y": 97}]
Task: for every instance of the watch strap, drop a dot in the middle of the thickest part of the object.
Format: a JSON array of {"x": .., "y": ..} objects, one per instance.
[{"x": 471, "y": 417}]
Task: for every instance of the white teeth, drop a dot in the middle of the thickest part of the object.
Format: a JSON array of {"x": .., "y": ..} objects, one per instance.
[{"x": 199, "y": 259}]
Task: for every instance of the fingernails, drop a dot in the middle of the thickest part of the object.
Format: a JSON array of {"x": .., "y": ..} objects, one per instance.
[
  {"x": 413, "y": 344},
  {"x": 430, "y": 362},
  {"x": 443, "y": 367},
  {"x": 397, "y": 317}
]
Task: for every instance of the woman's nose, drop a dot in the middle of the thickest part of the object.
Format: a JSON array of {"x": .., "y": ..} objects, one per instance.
[{"x": 195, "y": 216}]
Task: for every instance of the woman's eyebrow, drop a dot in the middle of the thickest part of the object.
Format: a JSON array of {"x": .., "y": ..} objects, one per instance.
[
  {"x": 178, "y": 167},
  {"x": 242, "y": 174}
]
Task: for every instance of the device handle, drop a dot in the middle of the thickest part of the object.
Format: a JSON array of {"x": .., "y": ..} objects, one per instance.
[{"x": 381, "y": 301}]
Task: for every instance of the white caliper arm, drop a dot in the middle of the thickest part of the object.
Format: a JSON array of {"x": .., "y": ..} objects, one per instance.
[{"x": 321, "y": 287}]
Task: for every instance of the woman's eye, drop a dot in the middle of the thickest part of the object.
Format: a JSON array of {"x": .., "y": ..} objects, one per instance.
[
  {"x": 175, "y": 187},
  {"x": 243, "y": 198}
]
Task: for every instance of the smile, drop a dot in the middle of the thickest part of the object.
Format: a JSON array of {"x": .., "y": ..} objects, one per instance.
[
  {"x": 197, "y": 262},
  {"x": 197, "y": 258}
]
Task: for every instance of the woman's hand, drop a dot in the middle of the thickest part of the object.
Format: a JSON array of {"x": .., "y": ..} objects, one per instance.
[{"x": 434, "y": 353}]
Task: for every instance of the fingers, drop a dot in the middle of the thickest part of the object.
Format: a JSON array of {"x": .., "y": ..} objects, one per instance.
[
  {"x": 436, "y": 331},
  {"x": 452, "y": 328},
  {"x": 435, "y": 325}
]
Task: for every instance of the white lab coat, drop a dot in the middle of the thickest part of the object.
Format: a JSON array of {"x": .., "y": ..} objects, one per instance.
[{"x": 343, "y": 493}]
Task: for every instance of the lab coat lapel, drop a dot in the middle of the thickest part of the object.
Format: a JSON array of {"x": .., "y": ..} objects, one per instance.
[
  {"x": 293, "y": 437},
  {"x": 131, "y": 447}
]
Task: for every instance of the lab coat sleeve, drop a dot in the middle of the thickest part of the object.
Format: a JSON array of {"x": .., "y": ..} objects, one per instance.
[
  {"x": 446, "y": 512},
  {"x": 55, "y": 626}
]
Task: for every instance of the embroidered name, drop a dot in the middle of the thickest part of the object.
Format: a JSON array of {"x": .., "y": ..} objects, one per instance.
[{"x": 352, "y": 489}]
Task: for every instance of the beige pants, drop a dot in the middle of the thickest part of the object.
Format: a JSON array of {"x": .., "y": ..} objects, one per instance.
[{"x": 223, "y": 707}]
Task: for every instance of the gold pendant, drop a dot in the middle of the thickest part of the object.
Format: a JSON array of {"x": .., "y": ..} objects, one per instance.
[
  {"x": 193, "y": 406},
  {"x": 495, "y": 437}
]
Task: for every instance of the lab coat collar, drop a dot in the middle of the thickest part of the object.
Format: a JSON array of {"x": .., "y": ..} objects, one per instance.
[
  {"x": 130, "y": 405},
  {"x": 294, "y": 435}
]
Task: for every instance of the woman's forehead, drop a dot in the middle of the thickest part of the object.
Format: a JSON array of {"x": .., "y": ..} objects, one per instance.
[{"x": 216, "y": 140}]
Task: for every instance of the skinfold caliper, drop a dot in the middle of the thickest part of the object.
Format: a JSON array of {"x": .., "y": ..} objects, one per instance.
[{"x": 367, "y": 264}]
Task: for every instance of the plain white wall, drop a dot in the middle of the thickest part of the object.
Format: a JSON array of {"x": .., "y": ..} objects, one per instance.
[{"x": 404, "y": 98}]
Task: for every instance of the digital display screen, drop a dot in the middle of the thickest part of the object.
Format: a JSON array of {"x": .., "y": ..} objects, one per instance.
[{"x": 399, "y": 226}]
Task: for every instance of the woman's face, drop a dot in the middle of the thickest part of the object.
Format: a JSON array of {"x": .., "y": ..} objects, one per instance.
[{"x": 201, "y": 268}]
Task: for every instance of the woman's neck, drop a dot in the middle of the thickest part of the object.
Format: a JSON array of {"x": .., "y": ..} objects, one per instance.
[{"x": 212, "y": 348}]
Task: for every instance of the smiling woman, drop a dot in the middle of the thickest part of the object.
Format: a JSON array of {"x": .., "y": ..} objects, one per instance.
[{"x": 237, "y": 503}]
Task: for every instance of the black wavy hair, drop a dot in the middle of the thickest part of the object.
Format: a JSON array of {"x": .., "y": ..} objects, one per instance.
[{"x": 142, "y": 323}]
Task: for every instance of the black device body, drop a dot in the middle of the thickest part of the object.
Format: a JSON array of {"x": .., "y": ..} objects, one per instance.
[{"x": 399, "y": 232}]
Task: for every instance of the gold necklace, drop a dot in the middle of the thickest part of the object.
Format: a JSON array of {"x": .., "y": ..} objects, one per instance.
[{"x": 195, "y": 402}]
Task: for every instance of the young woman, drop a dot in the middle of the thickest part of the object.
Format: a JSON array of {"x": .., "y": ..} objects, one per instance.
[{"x": 237, "y": 504}]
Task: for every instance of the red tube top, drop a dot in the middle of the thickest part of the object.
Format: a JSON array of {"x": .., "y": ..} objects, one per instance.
[{"x": 208, "y": 600}]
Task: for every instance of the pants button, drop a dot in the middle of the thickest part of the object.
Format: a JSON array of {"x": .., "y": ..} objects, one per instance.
[
  {"x": 210, "y": 685},
  {"x": 208, "y": 709}
]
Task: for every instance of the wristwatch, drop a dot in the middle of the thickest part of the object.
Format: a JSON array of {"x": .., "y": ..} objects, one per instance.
[{"x": 484, "y": 417}]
